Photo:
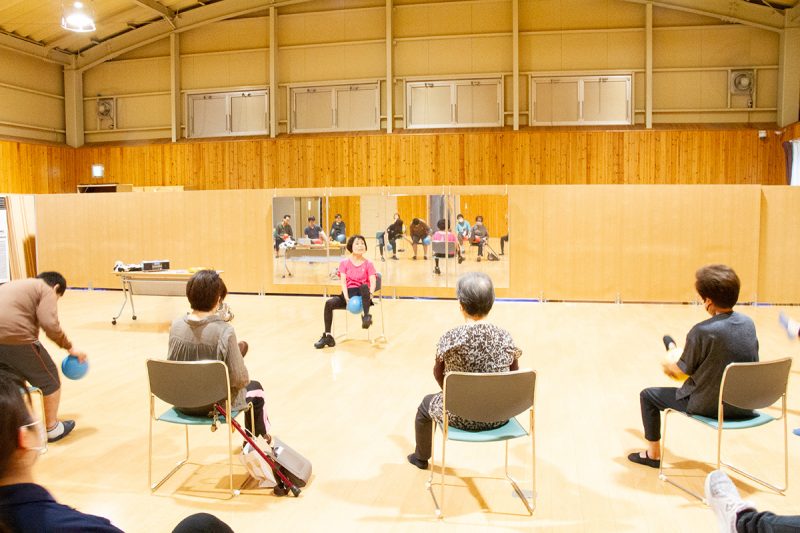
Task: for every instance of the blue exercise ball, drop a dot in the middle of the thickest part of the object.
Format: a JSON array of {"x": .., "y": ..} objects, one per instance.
[
  {"x": 389, "y": 247},
  {"x": 426, "y": 241},
  {"x": 354, "y": 305},
  {"x": 340, "y": 237},
  {"x": 72, "y": 368}
]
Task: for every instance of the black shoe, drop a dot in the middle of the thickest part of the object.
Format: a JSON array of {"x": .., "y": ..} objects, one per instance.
[
  {"x": 669, "y": 340},
  {"x": 366, "y": 321},
  {"x": 325, "y": 340},
  {"x": 414, "y": 258},
  {"x": 460, "y": 259},
  {"x": 479, "y": 259},
  {"x": 425, "y": 257},
  {"x": 395, "y": 258},
  {"x": 636, "y": 457},
  {"x": 383, "y": 259},
  {"x": 437, "y": 271},
  {"x": 502, "y": 253},
  {"x": 419, "y": 463},
  {"x": 69, "y": 425}
]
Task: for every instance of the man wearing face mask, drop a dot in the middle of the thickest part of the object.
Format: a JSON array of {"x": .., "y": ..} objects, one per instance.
[
  {"x": 727, "y": 337},
  {"x": 26, "y": 506}
]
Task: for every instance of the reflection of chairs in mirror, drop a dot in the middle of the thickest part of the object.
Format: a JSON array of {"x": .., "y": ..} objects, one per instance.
[{"x": 377, "y": 302}]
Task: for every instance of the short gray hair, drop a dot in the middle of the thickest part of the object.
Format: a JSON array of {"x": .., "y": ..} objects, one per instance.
[{"x": 475, "y": 293}]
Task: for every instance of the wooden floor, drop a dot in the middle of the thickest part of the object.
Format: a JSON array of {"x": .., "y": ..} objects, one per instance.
[{"x": 350, "y": 409}]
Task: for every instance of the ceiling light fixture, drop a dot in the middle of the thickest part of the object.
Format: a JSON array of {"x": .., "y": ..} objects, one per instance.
[{"x": 77, "y": 16}]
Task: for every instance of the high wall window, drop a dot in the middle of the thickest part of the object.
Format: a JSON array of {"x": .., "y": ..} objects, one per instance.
[
  {"x": 569, "y": 100},
  {"x": 352, "y": 107},
  {"x": 228, "y": 114},
  {"x": 454, "y": 103}
]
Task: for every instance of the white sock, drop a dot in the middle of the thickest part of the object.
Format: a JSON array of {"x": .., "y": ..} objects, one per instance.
[{"x": 56, "y": 431}]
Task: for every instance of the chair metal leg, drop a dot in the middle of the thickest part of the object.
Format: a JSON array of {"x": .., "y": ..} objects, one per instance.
[
  {"x": 380, "y": 339},
  {"x": 661, "y": 475},
  {"x": 430, "y": 483},
  {"x": 155, "y": 486},
  {"x": 38, "y": 392}
]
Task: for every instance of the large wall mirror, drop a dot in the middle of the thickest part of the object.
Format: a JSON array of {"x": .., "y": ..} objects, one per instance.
[{"x": 415, "y": 240}]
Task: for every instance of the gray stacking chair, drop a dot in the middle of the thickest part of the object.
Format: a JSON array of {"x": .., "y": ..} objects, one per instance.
[
  {"x": 189, "y": 384},
  {"x": 747, "y": 386},
  {"x": 487, "y": 398}
]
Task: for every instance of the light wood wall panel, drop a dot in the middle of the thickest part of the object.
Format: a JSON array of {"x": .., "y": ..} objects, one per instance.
[
  {"x": 780, "y": 245},
  {"x": 493, "y": 208},
  {"x": 411, "y": 207},
  {"x": 28, "y": 168},
  {"x": 83, "y": 235}
]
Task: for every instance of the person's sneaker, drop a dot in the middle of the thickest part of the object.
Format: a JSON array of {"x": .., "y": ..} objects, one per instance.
[
  {"x": 436, "y": 270},
  {"x": 460, "y": 259},
  {"x": 395, "y": 258},
  {"x": 425, "y": 257},
  {"x": 724, "y": 499},
  {"x": 669, "y": 343},
  {"x": 479, "y": 259},
  {"x": 419, "y": 463},
  {"x": 243, "y": 347},
  {"x": 414, "y": 258},
  {"x": 366, "y": 321},
  {"x": 383, "y": 259},
  {"x": 792, "y": 327},
  {"x": 326, "y": 340},
  {"x": 60, "y": 431}
]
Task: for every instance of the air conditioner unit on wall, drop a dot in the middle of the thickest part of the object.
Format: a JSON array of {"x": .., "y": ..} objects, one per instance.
[
  {"x": 106, "y": 113},
  {"x": 742, "y": 81}
]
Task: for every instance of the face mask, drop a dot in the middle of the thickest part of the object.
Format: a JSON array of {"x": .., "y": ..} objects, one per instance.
[{"x": 38, "y": 428}]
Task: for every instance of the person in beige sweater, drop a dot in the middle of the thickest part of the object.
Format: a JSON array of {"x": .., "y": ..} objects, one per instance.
[{"x": 26, "y": 306}]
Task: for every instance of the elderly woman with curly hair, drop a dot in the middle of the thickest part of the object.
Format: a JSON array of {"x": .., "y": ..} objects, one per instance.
[{"x": 475, "y": 346}]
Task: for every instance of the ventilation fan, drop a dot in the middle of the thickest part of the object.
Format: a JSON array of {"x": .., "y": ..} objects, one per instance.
[
  {"x": 742, "y": 81},
  {"x": 105, "y": 108}
]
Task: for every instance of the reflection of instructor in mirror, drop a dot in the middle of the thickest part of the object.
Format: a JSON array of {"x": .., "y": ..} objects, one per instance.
[{"x": 313, "y": 231}]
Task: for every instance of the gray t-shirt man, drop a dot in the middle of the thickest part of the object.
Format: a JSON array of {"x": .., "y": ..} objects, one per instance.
[{"x": 710, "y": 346}]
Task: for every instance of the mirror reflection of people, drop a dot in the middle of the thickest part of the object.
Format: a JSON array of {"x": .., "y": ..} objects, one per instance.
[
  {"x": 282, "y": 233},
  {"x": 314, "y": 231},
  {"x": 444, "y": 234},
  {"x": 358, "y": 277},
  {"x": 203, "y": 335},
  {"x": 475, "y": 346},
  {"x": 727, "y": 337},
  {"x": 478, "y": 235},
  {"x": 393, "y": 232},
  {"x": 463, "y": 230},
  {"x": 338, "y": 228},
  {"x": 503, "y": 241},
  {"x": 26, "y": 306},
  {"x": 418, "y": 231}
]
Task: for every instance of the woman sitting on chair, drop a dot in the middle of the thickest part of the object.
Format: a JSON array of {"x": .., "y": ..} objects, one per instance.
[
  {"x": 476, "y": 346},
  {"x": 358, "y": 277},
  {"x": 451, "y": 249},
  {"x": 203, "y": 334}
]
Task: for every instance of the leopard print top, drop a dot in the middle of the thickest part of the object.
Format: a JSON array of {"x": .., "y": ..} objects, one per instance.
[{"x": 474, "y": 347}]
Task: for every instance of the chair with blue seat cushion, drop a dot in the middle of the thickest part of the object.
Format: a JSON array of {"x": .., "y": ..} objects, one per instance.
[
  {"x": 189, "y": 384},
  {"x": 746, "y": 386},
  {"x": 487, "y": 398}
]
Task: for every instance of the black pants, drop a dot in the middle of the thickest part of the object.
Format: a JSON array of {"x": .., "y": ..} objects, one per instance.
[
  {"x": 503, "y": 241},
  {"x": 436, "y": 258},
  {"x": 653, "y": 401},
  {"x": 423, "y": 428},
  {"x": 392, "y": 243},
  {"x": 255, "y": 395},
  {"x": 338, "y": 302},
  {"x": 751, "y": 521}
]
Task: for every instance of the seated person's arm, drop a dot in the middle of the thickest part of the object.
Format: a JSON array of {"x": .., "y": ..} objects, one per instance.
[
  {"x": 673, "y": 370},
  {"x": 438, "y": 372},
  {"x": 343, "y": 281},
  {"x": 514, "y": 366}
]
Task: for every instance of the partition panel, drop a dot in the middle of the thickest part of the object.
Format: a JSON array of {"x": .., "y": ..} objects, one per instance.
[
  {"x": 779, "y": 266},
  {"x": 83, "y": 235}
]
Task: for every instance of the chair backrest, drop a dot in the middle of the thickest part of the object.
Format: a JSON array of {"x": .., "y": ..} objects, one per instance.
[
  {"x": 755, "y": 385},
  {"x": 188, "y": 383},
  {"x": 489, "y": 397},
  {"x": 444, "y": 248}
]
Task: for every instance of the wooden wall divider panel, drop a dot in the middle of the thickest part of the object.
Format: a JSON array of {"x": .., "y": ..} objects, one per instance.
[
  {"x": 600, "y": 243},
  {"x": 779, "y": 257},
  {"x": 83, "y": 235}
]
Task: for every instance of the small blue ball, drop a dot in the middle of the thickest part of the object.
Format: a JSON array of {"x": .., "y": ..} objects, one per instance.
[
  {"x": 354, "y": 305},
  {"x": 426, "y": 241},
  {"x": 340, "y": 237},
  {"x": 72, "y": 368},
  {"x": 389, "y": 247}
]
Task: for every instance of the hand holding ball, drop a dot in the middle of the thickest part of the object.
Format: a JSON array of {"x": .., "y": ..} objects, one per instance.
[
  {"x": 354, "y": 305},
  {"x": 73, "y": 368}
]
